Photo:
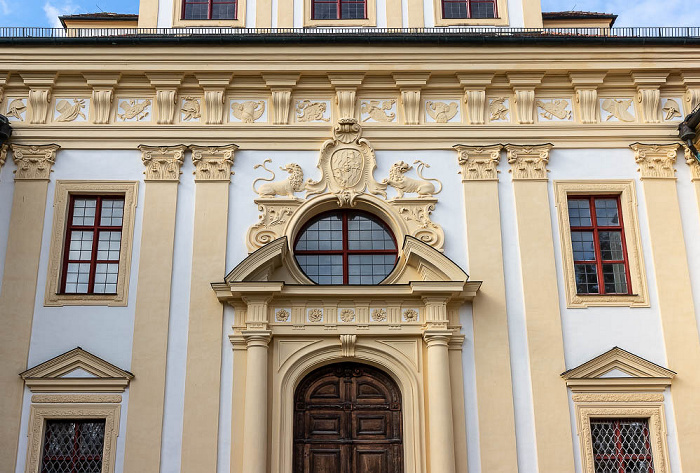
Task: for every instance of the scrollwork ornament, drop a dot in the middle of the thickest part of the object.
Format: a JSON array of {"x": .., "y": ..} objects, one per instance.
[
  {"x": 655, "y": 161},
  {"x": 162, "y": 162},
  {"x": 34, "y": 162}
]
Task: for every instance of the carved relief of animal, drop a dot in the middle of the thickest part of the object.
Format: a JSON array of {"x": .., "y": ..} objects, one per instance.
[
  {"x": 498, "y": 109},
  {"x": 308, "y": 111},
  {"x": 376, "y": 110},
  {"x": 249, "y": 111},
  {"x": 618, "y": 108},
  {"x": 69, "y": 112},
  {"x": 442, "y": 112},
  {"x": 423, "y": 187},
  {"x": 554, "y": 108},
  {"x": 287, "y": 187},
  {"x": 134, "y": 109}
]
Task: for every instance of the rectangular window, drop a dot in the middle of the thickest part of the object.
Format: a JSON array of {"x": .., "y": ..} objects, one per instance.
[
  {"x": 621, "y": 445},
  {"x": 209, "y": 9},
  {"x": 476, "y": 9},
  {"x": 598, "y": 243},
  {"x": 73, "y": 446},
  {"x": 93, "y": 244},
  {"x": 339, "y": 9}
]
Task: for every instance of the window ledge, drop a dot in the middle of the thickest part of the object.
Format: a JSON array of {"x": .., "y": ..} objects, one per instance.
[
  {"x": 579, "y": 301},
  {"x": 182, "y": 23},
  {"x": 340, "y": 23},
  {"x": 471, "y": 22}
]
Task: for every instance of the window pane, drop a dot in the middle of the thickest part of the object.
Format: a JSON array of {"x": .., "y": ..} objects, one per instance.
[
  {"x": 454, "y": 10},
  {"x": 611, "y": 246},
  {"x": 352, "y": 10},
  {"x": 368, "y": 234},
  {"x": 621, "y": 445},
  {"x": 223, "y": 11},
  {"x": 73, "y": 446},
  {"x": 483, "y": 9},
  {"x": 586, "y": 279},
  {"x": 80, "y": 246},
  {"x": 106, "y": 278},
  {"x": 322, "y": 269},
  {"x": 84, "y": 211},
  {"x": 582, "y": 244},
  {"x": 196, "y": 11},
  {"x": 369, "y": 269},
  {"x": 606, "y": 212},
  {"x": 325, "y": 11},
  {"x": 108, "y": 245},
  {"x": 112, "y": 213},
  {"x": 579, "y": 213},
  {"x": 77, "y": 278},
  {"x": 614, "y": 278}
]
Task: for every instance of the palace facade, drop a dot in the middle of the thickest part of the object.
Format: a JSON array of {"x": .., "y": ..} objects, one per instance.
[{"x": 377, "y": 236}]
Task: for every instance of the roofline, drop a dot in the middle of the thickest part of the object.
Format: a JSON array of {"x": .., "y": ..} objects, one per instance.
[{"x": 115, "y": 16}]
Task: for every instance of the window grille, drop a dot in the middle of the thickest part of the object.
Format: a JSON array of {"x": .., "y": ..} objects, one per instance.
[
  {"x": 73, "y": 446},
  {"x": 477, "y": 9},
  {"x": 346, "y": 248},
  {"x": 598, "y": 242},
  {"x": 93, "y": 243},
  {"x": 209, "y": 9},
  {"x": 339, "y": 9},
  {"x": 621, "y": 446}
]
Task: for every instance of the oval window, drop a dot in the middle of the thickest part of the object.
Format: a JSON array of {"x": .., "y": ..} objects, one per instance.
[{"x": 346, "y": 247}]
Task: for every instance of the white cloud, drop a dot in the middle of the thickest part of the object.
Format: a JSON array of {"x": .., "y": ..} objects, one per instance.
[
  {"x": 635, "y": 13},
  {"x": 53, "y": 12},
  {"x": 4, "y": 7}
]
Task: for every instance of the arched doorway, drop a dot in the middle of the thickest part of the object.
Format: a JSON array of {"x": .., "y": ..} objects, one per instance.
[{"x": 347, "y": 419}]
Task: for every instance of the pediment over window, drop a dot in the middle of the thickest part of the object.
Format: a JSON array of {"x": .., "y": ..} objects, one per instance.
[
  {"x": 618, "y": 367},
  {"x": 76, "y": 370}
]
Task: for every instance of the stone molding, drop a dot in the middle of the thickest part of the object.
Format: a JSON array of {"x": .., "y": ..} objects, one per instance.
[
  {"x": 479, "y": 163},
  {"x": 529, "y": 162},
  {"x": 76, "y": 398},
  {"x": 213, "y": 163},
  {"x": 34, "y": 162},
  {"x": 618, "y": 397},
  {"x": 656, "y": 161},
  {"x": 162, "y": 162}
]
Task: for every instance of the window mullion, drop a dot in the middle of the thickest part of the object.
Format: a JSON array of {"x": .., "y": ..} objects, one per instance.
[
  {"x": 346, "y": 269},
  {"x": 596, "y": 244},
  {"x": 66, "y": 243},
  {"x": 95, "y": 242}
]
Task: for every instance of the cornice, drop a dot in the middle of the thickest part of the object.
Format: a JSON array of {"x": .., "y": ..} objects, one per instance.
[
  {"x": 656, "y": 161},
  {"x": 34, "y": 162},
  {"x": 162, "y": 162},
  {"x": 212, "y": 163},
  {"x": 479, "y": 163},
  {"x": 528, "y": 162}
]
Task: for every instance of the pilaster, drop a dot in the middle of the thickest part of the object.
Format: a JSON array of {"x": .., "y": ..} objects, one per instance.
[
  {"x": 494, "y": 387},
  {"x": 586, "y": 89},
  {"x": 152, "y": 310},
  {"x": 410, "y": 84},
  {"x": 40, "y": 85},
  {"x": 203, "y": 381},
  {"x": 214, "y": 85},
  {"x": 541, "y": 307},
  {"x": 674, "y": 291},
  {"x": 255, "y": 418},
  {"x": 19, "y": 285},
  {"x": 103, "y": 85},
  {"x": 524, "y": 84},
  {"x": 166, "y": 85}
]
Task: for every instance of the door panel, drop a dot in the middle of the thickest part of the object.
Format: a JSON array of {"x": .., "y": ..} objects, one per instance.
[{"x": 348, "y": 420}]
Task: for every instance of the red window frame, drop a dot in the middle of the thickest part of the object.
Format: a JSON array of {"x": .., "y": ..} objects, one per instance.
[
  {"x": 469, "y": 8},
  {"x": 621, "y": 456},
  {"x": 346, "y": 252},
  {"x": 596, "y": 229},
  {"x": 210, "y": 7},
  {"x": 75, "y": 457},
  {"x": 95, "y": 228},
  {"x": 339, "y": 11}
]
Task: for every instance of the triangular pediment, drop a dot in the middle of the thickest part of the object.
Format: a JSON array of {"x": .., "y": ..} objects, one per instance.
[
  {"x": 76, "y": 370},
  {"x": 617, "y": 363}
]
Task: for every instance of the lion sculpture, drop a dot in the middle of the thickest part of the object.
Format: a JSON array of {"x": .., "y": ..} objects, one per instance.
[
  {"x": 287, "y": 187},
  {"x": 423, "y": 187}
]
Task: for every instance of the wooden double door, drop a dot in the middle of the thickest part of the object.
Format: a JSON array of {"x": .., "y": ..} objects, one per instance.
[{"x": 347, "y": 419}]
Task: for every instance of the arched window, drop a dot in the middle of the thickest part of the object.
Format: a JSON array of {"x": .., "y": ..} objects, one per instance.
[
  {"x": 346, "y": 247},
  {"x": 339, "y": 9},
  {"x": 454, "y": 9}
]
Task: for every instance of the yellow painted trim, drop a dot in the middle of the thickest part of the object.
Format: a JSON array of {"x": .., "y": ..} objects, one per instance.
[
  {"x": 371, "y": 19},
  {"x": 203, "y": 380},
  {"x": 628, "y": 201},
  {"x": 502, "y": 20},
  {"x": 544, "y": 330},
  {"x": 239, "y": 22},
  {"x": 415, "y": 14},
  {"x": 263, "y": 13},
  {"x": 147, "y": 391},
  {"x": 532, "y": 13},
  {"x": 238, "y": 393},
  {"x": 64, "y": 189},
  {"x": 81, "y": 24},
  {"x": 394, "y": 15},
  {"x": 676, "y": 308},
  {"x": 148, "y": 14},
  {"x": 459, "y": 414},
  {"x": 17, "y": 305},
  {"x": 65, "y": 408},
  {"x": 285, "y": 15}
]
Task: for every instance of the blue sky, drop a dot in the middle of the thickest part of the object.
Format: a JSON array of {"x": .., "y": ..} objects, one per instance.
[{"x": 631, "y": 12}]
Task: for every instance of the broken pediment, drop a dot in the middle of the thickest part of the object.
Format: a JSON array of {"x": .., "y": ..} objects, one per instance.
[{"x": 76, "y": 370}]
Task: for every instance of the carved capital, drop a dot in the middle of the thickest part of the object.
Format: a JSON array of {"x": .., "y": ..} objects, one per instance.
[
  {"x": 410, "y": 100},
  {"x": 257, "y": 338},
  {"x": 689, "y": 159},
  {"x": 656, "y": 161},
  {"x": 213, "y": 163},
  {"x": 34, "y": 162},
  {"x": 649, "y": 100},
  {"x": 528, "y": 162},
  {"x": 162, "y": 162},
  {"x": 525, "y": 105},
  {"x": 345, "y": 99},
  {"x": 437, "y": 338},
  {"x": 479, "y": 163},
  {"x": 476, "y": 102},
  {"x": 281, "y": 100},
  {"x": 587, "y": 101}
]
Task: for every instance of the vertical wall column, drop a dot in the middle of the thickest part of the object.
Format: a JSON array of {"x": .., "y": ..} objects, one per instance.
[
  {"x": 203, "y": 381},
  {"x": 19, "y": 285},
  {"x": 541, "y": 308},
  {"x": 694, "y": 170},
  {"x": 675, "y": 295},
  {"x": 152, "y": 312},
  {"x": 255, "y": 423},
  {"x": 494, "y": 387}
]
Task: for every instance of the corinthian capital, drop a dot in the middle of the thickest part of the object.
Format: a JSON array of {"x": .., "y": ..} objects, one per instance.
[
  {"x": 213, "y": 163},
  {"x": 163, "y": 162},
  {"x": 656, "y": 161},
  {"x": 479, "y": 163},
  {"x": 528, "y": 162},
  {"x": 34, "y": 162}
]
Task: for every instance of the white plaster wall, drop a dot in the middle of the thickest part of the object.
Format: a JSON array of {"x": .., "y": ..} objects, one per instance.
[
  {"x": 165, "y": 13},
  {"x": 515, "y": 14}
]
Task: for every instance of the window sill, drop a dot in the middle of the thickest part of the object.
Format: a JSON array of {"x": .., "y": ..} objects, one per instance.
[
  {"x": 340, "y": 23},
  {"x": 471, "y": 22},
  {"x": 182, "y": 23},
  {"x": 60, "y": 300},
  {"x": 579, "y": 301}
]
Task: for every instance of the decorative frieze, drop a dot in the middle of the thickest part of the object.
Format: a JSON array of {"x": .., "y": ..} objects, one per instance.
[
  {"x": 476, "y": 103},
  {"x": 442, "y": 111},
  {"x": 479, "y": 163},
  {"x": 166, "y": 104},
  {"x": 525, "y": 102},
  {"x": 410, "y": 101},
  {"x": 378, "y": 111},
  {"x": 587, "y": 100},
  {"x": 102, "y": 105},
  {"x": 33, "y": 162},
  {"x": 671, "y": 109},
  {"x": 248, "y": 111},
  {"x": 649, "y": 101},
  {"x": 16, "y": 109},
  {"x": 617, "y": 110},
  {"x": 345, "y": 100},
  {"x": 39, "y": 100},
  {"x": 71, "y": 110},
  {"x": 311, "y": 111},
  {"x": 281, "y": 102},
  {"x": 528, "y": 162},
  {"x": 213, "y": 163},
  {"x": 554, "y": 109},
  {"x": 162, "y": 162},
  {"x": 134, "y": 110},
  {"x": 656, "y": 161},
  {"x": 499, "y": 109},
  {"x": 618, "y": 397},
  {"x": 190, "y": 109},
  {"x": 76, "y": 398}
]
